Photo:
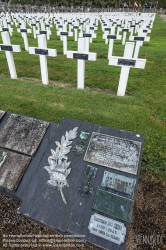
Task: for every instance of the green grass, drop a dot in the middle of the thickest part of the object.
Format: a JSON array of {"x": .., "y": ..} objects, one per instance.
[{"x": 143, "y": 110}]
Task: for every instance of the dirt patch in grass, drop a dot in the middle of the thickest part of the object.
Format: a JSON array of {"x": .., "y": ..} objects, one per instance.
[
  {"x": 163, "y": 16},
  {"x": 147, "y": 228}
]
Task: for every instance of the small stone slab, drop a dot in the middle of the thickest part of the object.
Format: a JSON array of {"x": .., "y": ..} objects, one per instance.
[
  {"x": 12, "y": 168},
  {"x": 1, "y": 114},
  {"x": 22, "y": 134}
]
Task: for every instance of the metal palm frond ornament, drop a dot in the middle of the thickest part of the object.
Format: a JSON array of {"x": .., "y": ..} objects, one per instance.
[{"x": 58, "y": 165}]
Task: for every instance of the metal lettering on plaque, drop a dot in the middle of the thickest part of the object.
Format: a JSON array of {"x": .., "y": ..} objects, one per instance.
[
  {"x": 113, "y": 205},
  {"x": 119, "y": 182},
  {"x": 80, "y": 56},
  {"x": 107, "y": 228},
  {"x": 5, "y": 29},
  {"x": 125, "y": 30},
  {"x": 60, "y": 26},
  {"x": 75, "y": 27},
  {"x": 126, "y": 62},
  {"x": 23, "y": 30},
  {"x": 107, "y": 29},
  {"x": 41, "y": 52},
  {"x": 113, "y": 152},
  {"x": 64, "y": 33},
  {"x": 91, "y": 28},
  {"x": 87, "y": 35},
  {"x": 43, "y": 32},
  {"x": 111, "y": 36},
  {"x": 145, "y": 31},
  {"x": 33, "y": 25},
  {"x": 139, "y": 38},
  {"x": 6, "y": 48},
  {"x": 47, "y": 25}
]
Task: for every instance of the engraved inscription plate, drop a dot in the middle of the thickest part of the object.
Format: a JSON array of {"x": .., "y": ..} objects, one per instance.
[
  {"x": 107, "y": 228},
  {"x": 111, "y": 36},
  {"x": 139, "y": 38},
  {"x": 125, "y": 30},
  {"x": 91, "y": 28},
  {"x": 6, "y": 47},
  {"x": 33, "y": 24},
  {"x": 75, "y": 27},
  {"x": 8, "y": 22},
  {"x": 113, "y": 152},
  {"x": 80, "y": 56},
  {"x": 87, "y": 35},
  {"x": 119, "y": 182},
  {"x": 145, "y": 31},
  {"x": 12, "y": 169},
  {"x": 22, "y": 134},
  {"x": 47, "y": 25},
  {"x": 23, "y": 30},
  {"x": 105, "y": 24},
  {"x": 133, "y": 26},
  {"x": 41, "y": 52},
  {"x": 1, "y": 114},
  {"x": 126, "y": 62},
  {"x": 107, "y": 29},
  {"x": 113, "y": 205},
  {"x": 64, "y": 33},
  {"x": 5, "y": 29},
  {"x": 43, "y": 32},
  {"x": 60, "y": 26}
]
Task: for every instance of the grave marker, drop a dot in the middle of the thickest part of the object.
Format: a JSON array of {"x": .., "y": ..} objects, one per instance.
[
  {"x": 64, "y": 34},
  {"x": 126, "y": 62},
  {"x": 43, "y": 51},
  {"x": 9, "y": 49},
  {"x": 82, "y": 54},
  {"x": 24, "y": 32},
  {"x": 139, "y": 42}
]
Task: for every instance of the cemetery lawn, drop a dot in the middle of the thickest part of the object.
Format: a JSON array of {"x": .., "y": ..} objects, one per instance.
[{"x": 142, "y": 110}]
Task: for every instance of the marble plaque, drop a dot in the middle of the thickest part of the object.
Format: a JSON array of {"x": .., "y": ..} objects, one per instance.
[
  {"x": 107, "y": 228},
  {"x": 1, "y": 114},
  {"x": 6, "y": 47},
  {"x": 126, "y": 62},
  {"x": 41, "y": 52},
  {"x": 12, "y": 168},
  {"x": 119, "y": 182},
  {"x": 113, "y": 152},
  {"x": 113, "y": 205},
  {"x": 80, "y": 56},
  {"x": 22, "y": 134},
  {"x": 139, "y": 38}
]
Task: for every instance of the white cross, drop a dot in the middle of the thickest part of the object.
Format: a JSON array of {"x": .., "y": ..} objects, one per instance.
[
  {"x": 81, "y": 55},
  {"x": 111, "y": 42},
  {"x": 139, "y": 42},
  {"x": 24, "y": 32},
  {"x": 43, "y": 52},
  {"x": 9, "y": 49},
  {"x": 64, "y": 35},
  {"x": 126, "y": 62}
]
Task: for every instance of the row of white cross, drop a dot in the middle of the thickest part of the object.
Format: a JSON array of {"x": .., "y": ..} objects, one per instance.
[{"x": 126, "y": 62}]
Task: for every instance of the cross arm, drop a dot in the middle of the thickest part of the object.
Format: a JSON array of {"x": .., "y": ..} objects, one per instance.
[
  {"x": 90, "y": 56},
  {"x": 40, "y": 51},
  {"x": 136, "y": 38},
  {"x": 12, "y": 48},
  {"x": 127, "y": 62}
]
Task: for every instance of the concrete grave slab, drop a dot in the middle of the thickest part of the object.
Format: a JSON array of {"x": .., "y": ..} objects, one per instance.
[
  {"x": 44, "y": 203},
  {"x": 22, "y": 134},
  {"x": 12, "y": 168}
]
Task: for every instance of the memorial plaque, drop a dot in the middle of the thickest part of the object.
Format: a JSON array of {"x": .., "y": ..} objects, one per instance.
[
  {"x": 12, "y": 168},
  {"x": 1, "y": 114},
  {"x": 133, "y": 26},
  {"x": 105, "y": 24},
  {"x": 64, "y": 33},
  {"x": 119, "y": 25},
  {"x": 148, "y": 27},
  {"x": 111, "y": 36},
  {"x": 75, "y": 27},
  {"x": 125, "y": 30},
  {"x": 41, "y": 52},
  {"x": 113, "y": 152},
  {"x": 107, "y": 29},
  {"x": 69, "y": 23},
  {"x": 23, "y": 30},
  {"x": 118, "y": 182},
  {"x": 47, "y": 25},
  {"x": 113, "y": 205},
  {"x": 60, "y": 26},
  {"x": 91, "y": 28},
  {"x": 107, "y": 228},
  {"x": 114, "y": 22},
  {"x": 139, "y": 38},
  {"x": 22, "y": 134},
  {"x": 145, "y": 31},
  {"x": 33, "y": 24},
  {"x": 8, "y": 22},
  {"x": 80, "y": 56},
  {"x": 43, "y": 32},
  {"x": 126, "y": 62},
  {"x": 6, "y": 48},
  {"x": 87, "y": 35},
  {"x": 5, "y": 29}
]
